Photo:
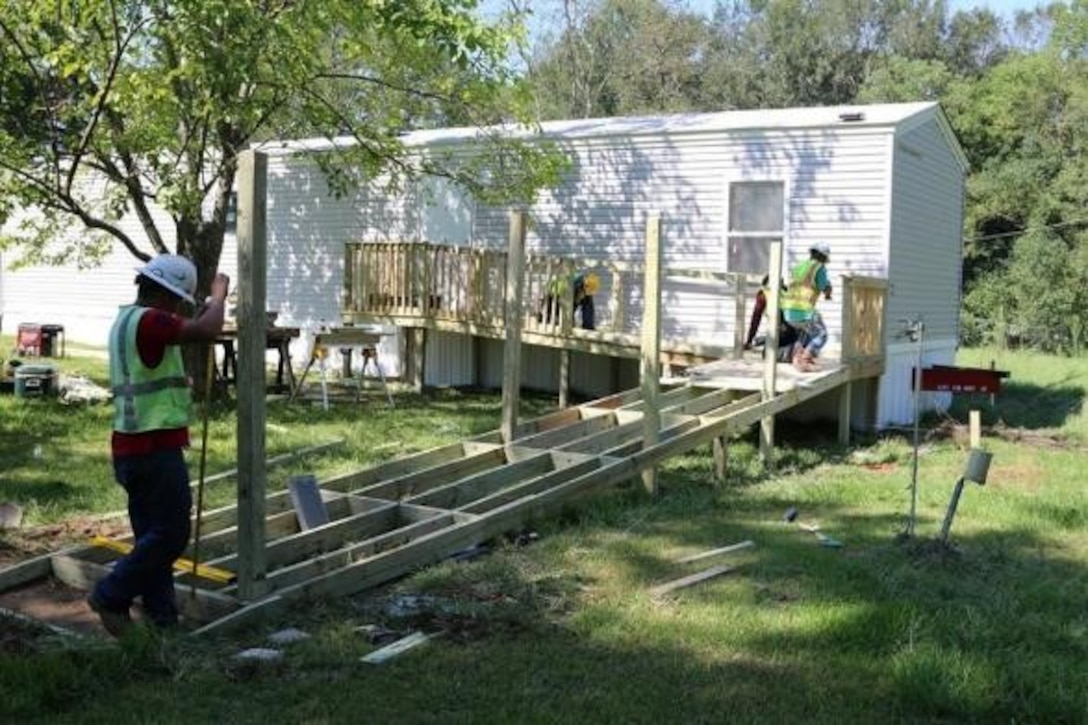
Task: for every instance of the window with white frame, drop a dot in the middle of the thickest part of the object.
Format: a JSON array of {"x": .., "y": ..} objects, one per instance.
[{"x": 756, "y": 218}]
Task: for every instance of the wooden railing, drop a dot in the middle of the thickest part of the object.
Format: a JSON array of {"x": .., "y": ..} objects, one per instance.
[
  {"x": 863, "y": 301},
  {"x": 418, "y": 283},
  {"x": 465, "y": 284}
]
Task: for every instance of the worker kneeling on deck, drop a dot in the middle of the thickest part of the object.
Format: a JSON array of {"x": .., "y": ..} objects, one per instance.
[
  {"x": 586, "y": 284},
  {"x": 787, "y": 335},
  {"x": 808, "y": 280},
  {"x": 152, "y": 402}
]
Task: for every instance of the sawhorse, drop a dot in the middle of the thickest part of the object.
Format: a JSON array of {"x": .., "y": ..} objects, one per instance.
[{"x": 347, "y": 338}]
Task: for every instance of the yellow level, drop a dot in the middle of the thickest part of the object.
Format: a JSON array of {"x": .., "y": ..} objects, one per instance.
[{"x": 183, "y": 565}]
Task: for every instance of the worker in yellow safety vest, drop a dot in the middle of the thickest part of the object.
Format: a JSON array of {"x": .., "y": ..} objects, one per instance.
[
  {"x": 151, "y": 401},
  {"x": 808, "y": 280},
  {"x": 586, "y": 284}
]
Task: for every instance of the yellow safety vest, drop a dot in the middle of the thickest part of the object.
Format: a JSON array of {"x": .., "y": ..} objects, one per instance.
[
  {"x": 144, "y": 398},
  {"x": 802, "y": 294}
]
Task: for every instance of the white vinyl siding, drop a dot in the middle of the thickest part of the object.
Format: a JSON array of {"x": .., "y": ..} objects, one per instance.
[{"x": 926, "y": 233}]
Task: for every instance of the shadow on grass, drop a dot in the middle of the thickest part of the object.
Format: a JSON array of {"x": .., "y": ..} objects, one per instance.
[{"x": 1024, "y": 405}]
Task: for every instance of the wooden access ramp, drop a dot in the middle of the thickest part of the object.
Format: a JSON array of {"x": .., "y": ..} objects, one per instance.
[{"x": 389, "y": 519}]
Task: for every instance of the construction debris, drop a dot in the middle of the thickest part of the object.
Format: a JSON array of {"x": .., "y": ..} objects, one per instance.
[
  {"x": 290, "y": 635},
  {"x": 715, "y": 552},
  {"x": 687, "y": 581},
  {"x": 705, "y": 574},
  {"x": 390, "y": 651},
  {"x": 259, "y": 654},
  {"x": 11, "y": 515},
  {"x": 306, "y": 498}
]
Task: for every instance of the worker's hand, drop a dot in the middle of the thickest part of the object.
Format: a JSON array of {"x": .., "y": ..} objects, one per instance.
[
  {"x": 220, "y": 287},
  {"x": 827, "y": 293}
]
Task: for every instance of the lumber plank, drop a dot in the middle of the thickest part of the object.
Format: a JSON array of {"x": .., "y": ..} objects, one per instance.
[
  {"x": 32, "y": 569},
  {"x": 748, "y": 544},
  {"x": 394, "y": 649},
  {"x": 555, "y": 437},
  {"x": 420, "y": 481},
  {"x": 691, "y": 579},
  {"x": 407, "y": 465},
  {"x": 533, "y": 485},
  {"x": 468, "y": 489}
]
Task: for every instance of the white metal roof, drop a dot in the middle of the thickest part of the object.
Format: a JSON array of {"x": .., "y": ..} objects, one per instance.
[{"x": 782, "y": 119}]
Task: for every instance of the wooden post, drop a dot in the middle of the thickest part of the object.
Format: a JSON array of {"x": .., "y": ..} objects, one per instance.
[
  {"x": 511, "y": 359},
  {"x": 976, "y": 429},
  {"x": 252, "y": 330},
  {"x": 347, "y": 302},
  {"x": 740, "y": 327},
  {"x": 566, "y": 325},
  {"x": 721, "y": 457},
  {"x": 770, "y": 351},
  {"x": 616, "y": 301},
  {"x": 651, "y": 345},
  {"x": 849, "y": 321},
  {"x": 564, "y": 377},
  {"x": 416, "y": 356},
  {"x": 846, "y": 403}
]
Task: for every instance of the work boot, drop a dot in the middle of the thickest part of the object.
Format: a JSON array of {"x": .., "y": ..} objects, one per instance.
[
  {"x": 114, "y": 621},
  {"x": 803, "y": 361},
  {"x": 798, "y": 359}
]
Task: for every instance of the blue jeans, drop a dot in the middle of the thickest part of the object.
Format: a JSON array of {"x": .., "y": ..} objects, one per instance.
[
  {"x": 159, "y": 506},
  {"x": 812, "y": 334}
]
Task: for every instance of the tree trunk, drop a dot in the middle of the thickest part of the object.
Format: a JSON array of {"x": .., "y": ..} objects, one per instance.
[{"x": 202, "y": 243}]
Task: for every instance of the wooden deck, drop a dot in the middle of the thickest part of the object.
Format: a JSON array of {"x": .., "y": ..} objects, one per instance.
[{"x": 426, "y": 286}]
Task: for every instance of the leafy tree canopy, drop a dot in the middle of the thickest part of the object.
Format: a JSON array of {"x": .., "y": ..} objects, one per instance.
[{"x": 151, "y": 101}]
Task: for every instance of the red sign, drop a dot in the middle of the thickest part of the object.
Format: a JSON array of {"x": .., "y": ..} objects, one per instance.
[{"x": 948, "y": 379}]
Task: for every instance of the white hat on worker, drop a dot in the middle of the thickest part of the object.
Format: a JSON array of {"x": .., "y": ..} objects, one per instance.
[
  {"x": 172, "y": 272},
  {"x": 821, "y": 248}
]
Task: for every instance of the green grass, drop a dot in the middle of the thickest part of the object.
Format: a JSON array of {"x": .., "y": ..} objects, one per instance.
[
  {"x": 1042, "y": 392},
  {"x": 565, "y": 630}
]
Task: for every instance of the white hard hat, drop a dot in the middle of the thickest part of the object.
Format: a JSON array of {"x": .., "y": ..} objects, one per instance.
[
  {"x": 174, "y": 273},
  {"x": 821, "y": 248}
]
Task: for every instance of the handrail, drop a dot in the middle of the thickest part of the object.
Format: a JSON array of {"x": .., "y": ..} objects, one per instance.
[{"x": 423, "y": 282}]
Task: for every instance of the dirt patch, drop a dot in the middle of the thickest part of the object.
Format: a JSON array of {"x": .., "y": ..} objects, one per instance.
[
  {"x": 961, "y": 435},
  {"x": 1021, "y": 478},
  {"x": 889, "y": 467},
  {"x": 52, "y": 603},
  {"x": 18, "y": 545}
]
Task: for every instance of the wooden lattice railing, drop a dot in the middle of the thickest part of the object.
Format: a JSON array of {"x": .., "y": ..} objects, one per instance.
[{"x": 863, "y": 301}]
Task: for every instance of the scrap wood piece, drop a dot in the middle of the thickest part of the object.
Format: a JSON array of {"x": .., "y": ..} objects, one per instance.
[
  {"x": 691, "y": 579},
  {"x": 715, "y": 552},
  {"x": 306, "y": 498},
  {"x": 393, "y": 649}
]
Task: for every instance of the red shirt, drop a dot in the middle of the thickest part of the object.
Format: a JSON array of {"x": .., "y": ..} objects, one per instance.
[{"x": 156, "y": 330}]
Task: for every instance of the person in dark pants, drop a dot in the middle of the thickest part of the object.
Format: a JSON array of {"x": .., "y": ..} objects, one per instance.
[
  {"x": 152, "y": 405},
  {"x": 787, "y": 335}
]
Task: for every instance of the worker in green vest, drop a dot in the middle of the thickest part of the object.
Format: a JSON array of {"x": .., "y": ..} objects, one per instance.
[
  {"x": 586, "y": 284},
  {"x": 152, "y": 401},
  {"x": 808, "y": 280}
]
